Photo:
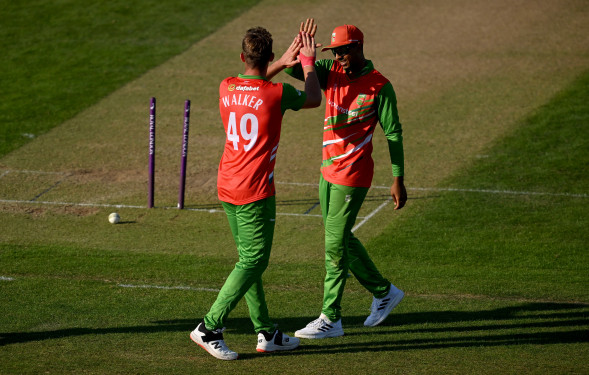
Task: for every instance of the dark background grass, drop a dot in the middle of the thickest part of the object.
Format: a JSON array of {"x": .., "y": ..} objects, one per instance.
[{"x": 59, "y": 57}]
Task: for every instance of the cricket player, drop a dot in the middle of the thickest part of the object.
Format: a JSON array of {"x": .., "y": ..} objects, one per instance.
[
  {"x": 251, "y": 109},
  {"x": 357, "y": 98}
]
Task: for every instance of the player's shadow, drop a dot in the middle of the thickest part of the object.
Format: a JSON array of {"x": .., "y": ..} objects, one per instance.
[{"x": 532, "y": 323}]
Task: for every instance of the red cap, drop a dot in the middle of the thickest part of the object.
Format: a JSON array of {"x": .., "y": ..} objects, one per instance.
[{"x": 343, "y": 35}]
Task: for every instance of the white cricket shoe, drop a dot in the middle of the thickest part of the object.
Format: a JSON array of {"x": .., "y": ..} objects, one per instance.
[
  {"x": 382, "y": 307},
  {"x": 212, "y": 342},
  {"x": 268, "y": 342},
  {"x": 321, "y": 328}
]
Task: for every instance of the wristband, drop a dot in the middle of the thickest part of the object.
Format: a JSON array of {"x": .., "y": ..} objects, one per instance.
[{"x": 306, "y": 60}]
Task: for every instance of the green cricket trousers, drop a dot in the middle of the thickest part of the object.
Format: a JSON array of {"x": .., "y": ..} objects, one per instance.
[
  {"x": 252, "y": 226},
  {"x": 343, "y": 251}
]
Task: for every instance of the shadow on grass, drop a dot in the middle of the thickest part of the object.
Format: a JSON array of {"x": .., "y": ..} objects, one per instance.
[{"x": 531, "y": 323}]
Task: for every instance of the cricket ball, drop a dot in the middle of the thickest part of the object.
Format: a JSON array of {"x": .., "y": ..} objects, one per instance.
[{"x": 114, "y": 218}]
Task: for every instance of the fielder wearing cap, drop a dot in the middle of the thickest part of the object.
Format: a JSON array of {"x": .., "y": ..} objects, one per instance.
[
  {"x": 357, "y": 98},
  {"x": 346, "y": 34}
]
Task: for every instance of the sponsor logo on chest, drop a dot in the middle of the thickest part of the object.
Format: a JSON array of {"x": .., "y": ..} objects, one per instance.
[{"x": 233, "y": 87}]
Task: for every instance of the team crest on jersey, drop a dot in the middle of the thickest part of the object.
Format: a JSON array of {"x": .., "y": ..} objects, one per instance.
[
  {"x": 361, "y": 99},
  {"x": 231, "y": 87}
]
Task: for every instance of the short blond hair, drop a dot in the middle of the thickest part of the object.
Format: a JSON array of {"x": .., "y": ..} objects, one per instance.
[{"x": 257, "y": 47}]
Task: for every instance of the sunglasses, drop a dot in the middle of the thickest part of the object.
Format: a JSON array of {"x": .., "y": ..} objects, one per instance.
[{"x": 343, "y": 50}]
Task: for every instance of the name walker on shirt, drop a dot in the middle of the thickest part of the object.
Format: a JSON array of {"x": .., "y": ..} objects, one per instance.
[{"x": 242, "y": 99}]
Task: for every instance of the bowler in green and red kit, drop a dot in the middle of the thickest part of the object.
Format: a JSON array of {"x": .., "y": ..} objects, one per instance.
[
  {"x": 358, "y": 97},
  {"x": 251, "y": 110}
]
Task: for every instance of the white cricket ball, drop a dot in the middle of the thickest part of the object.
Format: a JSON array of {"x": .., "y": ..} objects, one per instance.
[{"x": 114, "y": 218}]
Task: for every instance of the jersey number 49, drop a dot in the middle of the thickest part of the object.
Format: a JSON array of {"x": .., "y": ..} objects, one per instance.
[{"x": 248, "y": 130}]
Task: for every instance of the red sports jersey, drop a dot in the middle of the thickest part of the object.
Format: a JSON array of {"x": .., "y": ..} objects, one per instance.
[
  {"x": 251, "y": 109},
  {"x": 350, "y": 119}
]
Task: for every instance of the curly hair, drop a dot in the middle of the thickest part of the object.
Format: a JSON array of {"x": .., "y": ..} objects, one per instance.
[{"x": 257, "y": 46}]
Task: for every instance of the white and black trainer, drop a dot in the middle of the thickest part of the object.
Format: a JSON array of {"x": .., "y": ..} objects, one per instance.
[
  {"x": 382, "y": 307},
  {"x": 212, "y": 342},
  {"x": 321, "y": 328},
  {"x": 271, "y": 342}
]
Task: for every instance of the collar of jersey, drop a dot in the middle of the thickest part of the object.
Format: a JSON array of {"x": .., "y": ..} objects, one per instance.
[
  {"x": 251, "y": 77},
  {"x": 367, "y": 69}
]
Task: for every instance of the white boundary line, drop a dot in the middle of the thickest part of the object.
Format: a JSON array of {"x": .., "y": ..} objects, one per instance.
[
  {"x": 508, "y": 192},
  {"x": 7, "y": 278},
  {"x": 370, "y": 215},
  {"x": 71, "y": 204},
  {"x": 364, "y": 219},
  {"x": 489, "y": 191},
  {"x": 168, "y": 287},
  {"x": 211, "y": 210},
  {"x": 431, "y": 296}
]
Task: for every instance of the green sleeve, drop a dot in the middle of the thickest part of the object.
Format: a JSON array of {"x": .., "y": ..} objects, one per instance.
[
  {"x": 322, "y": 67},
  {"x": 292, "y": 98},
  {"x": 389, "y": 120}
]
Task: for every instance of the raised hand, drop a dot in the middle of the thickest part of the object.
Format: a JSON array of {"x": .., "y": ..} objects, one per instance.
[
  {"x": 308, "y": 48},
  {"x": 289, "y": 58},
  {"x": 310, "y": 28}
]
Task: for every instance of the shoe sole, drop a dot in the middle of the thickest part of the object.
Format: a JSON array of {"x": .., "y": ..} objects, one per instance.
[
  {"x": 196, "y": 341},
  {"x": 398, "y": 298},
  {"x": 322, "y": 336},
  {"x": 275, "y": 349}
]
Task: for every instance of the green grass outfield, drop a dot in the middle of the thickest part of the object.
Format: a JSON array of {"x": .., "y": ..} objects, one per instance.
[
  {"x": 60, "y": 57},
  {"x": 491, "y": 248}
]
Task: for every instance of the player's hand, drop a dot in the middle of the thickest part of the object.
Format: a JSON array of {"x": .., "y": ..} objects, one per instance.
[
  {"x": 399, "y": 193},
  {"x": 290, "y": 57},
  {"x": 308, "y": 48},
  {"x": 310, "y": 28}
]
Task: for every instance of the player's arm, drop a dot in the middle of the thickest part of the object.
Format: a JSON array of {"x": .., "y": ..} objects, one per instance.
[
  {"x": 389, "y": 120},
  {"x": 307, "y": 58},
  {"x": 322, "y": 68}
]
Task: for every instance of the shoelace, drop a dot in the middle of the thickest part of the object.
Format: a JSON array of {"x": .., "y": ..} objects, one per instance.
[
  {"x": 379, "y": 303},
  {"x": 374, "y": 305},
  {"x": 219, "y": 330},
  {"x": 316, "y": 323}
]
